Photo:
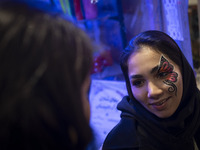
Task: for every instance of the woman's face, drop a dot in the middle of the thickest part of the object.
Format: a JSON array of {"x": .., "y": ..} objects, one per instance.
[{"x": 156, "y": 81}]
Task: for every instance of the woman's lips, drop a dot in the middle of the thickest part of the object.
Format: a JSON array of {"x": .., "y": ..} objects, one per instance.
[{"x": 160, "y": 105}]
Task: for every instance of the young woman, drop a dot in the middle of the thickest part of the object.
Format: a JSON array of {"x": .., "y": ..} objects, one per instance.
[
  {"x": 45, "y": 66},
  {"x": 162, "y": 111}
]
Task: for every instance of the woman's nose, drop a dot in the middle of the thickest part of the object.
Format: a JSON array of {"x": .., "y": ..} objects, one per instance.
[{"x": 154, "y": 91}]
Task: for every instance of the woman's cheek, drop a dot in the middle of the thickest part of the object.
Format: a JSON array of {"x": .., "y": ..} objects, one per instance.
[{"x": 138, "y": 94}]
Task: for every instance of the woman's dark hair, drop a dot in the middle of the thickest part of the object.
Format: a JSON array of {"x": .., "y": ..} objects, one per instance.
[
  {"x": 158, "y": 41},
  {"x": 44, "y": 61}
]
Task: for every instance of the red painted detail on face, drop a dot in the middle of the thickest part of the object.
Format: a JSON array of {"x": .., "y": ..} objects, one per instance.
[
  {"x": 172, "y": 77},
  {"x": 166, "y": 67}
]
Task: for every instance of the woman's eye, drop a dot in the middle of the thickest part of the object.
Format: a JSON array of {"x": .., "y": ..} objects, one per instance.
[{"x": 138, "y": 83}]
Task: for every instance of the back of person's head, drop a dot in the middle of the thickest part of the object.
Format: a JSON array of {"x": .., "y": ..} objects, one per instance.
[{"x": 44, "y": 61}]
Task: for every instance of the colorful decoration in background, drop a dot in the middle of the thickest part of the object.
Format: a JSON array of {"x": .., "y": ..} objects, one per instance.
[
  {"x": 93, "y": 1},
  {"x": 80, "y": 9},
  {"x": 65, "y": 4},
  {"x": 90, "y": 9},
  {"x": 102, "y": 60}
]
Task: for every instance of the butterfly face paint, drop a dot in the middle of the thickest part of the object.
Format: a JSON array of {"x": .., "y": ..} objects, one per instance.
[{"x": 167, "y": 70}]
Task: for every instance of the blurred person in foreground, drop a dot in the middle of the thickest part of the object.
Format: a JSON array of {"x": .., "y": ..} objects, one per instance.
[{"x": 45, "y": 64}]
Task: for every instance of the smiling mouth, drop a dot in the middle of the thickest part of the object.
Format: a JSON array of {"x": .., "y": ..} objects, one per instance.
[{"x": 160, "y": 102}]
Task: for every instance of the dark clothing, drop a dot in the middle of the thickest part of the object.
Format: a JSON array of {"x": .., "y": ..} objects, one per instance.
[
  {"x": 123, "y": 135},
  {"x": 133, "y": 132},
  {"x": 140, "y": 129}
]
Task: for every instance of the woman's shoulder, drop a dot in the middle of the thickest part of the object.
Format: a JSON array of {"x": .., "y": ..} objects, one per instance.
[{"x": 122, "y": 136}]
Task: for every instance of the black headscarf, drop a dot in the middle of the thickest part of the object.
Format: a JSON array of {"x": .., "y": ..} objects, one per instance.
[{"x": 175, "y": 132}]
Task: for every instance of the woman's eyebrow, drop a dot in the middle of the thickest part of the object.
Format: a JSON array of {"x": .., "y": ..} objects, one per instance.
[
  {"x": 137, "y": 76},
  {"x": 154, "y": 69}
]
